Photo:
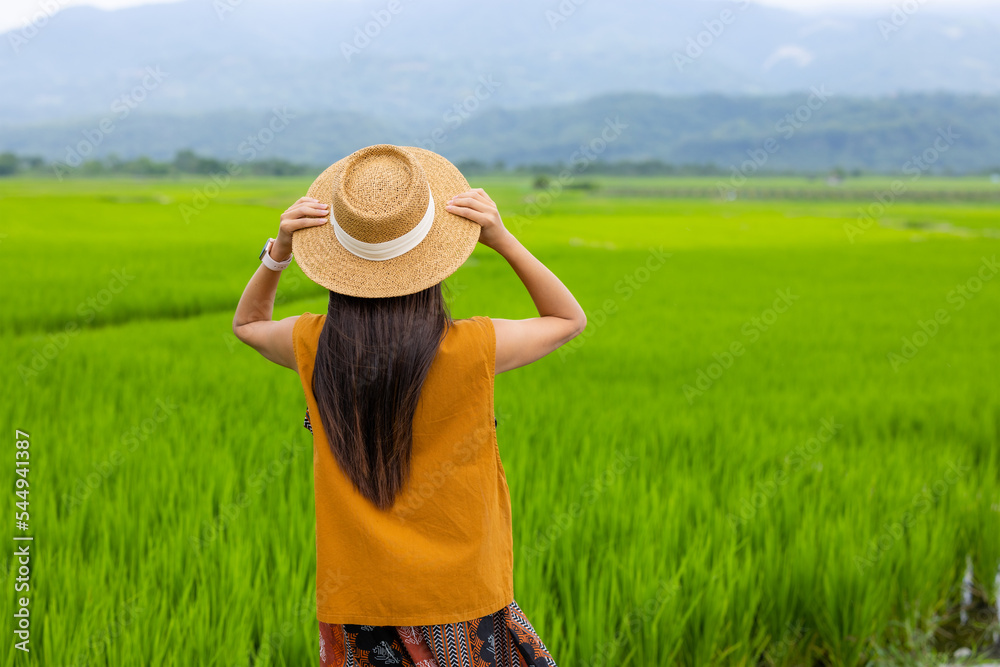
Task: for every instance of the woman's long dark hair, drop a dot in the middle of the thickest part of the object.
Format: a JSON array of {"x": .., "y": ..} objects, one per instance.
[{"x": 372, "y": 359}]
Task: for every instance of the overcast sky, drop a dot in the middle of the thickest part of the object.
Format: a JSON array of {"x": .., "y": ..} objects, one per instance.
[{"x": 15, "y": 13}]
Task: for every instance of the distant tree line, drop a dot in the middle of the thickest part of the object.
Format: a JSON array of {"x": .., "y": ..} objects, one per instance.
[
  {"x": 187, "y": 162},
  {"x": 618, "y": 168},
  {"x": 184, "y": 162}
]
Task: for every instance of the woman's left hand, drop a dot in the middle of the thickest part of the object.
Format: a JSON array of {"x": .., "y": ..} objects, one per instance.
[{"x": 306, "y": 212}]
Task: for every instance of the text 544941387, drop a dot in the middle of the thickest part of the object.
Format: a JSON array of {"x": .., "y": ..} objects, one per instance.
[{"x": 22, "y": 553}]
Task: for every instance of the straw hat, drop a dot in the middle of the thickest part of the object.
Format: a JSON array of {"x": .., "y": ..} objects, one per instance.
[{"x": 389, "y": 233}]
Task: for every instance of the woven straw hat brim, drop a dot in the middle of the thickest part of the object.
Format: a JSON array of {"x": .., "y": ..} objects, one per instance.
[{"x": 449, "y": 243}]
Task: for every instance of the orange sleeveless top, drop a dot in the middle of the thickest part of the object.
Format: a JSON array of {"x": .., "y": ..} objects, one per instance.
[{"x": 444, "y": 552}]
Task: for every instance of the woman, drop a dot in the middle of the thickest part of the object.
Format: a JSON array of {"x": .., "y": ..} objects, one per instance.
[{"x": 413, "y": 523}]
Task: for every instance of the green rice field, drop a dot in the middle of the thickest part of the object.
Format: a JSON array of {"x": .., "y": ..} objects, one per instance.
[{"x": 776, "y": 443}]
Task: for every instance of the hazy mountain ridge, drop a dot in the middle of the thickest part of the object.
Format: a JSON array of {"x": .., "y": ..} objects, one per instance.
[{"x": 807, "y": 131}]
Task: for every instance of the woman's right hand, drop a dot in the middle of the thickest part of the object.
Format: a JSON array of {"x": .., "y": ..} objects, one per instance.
[{"x": 477, "y": 206}]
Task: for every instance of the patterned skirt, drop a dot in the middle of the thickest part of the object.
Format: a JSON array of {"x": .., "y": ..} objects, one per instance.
[{"x": 501, "y": 639}]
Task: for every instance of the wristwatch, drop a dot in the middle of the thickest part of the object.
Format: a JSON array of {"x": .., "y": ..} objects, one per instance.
[{"x": 268, "y": 261}]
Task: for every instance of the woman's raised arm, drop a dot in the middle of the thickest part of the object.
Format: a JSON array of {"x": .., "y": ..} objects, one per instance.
[{"x": 520, "y": 342}]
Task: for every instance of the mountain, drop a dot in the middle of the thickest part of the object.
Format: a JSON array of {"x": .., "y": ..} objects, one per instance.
[
  {"x": 224, "y": 56},
  {"x": 521, "y": 81},
  {"x": 810, "y": 131}
]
